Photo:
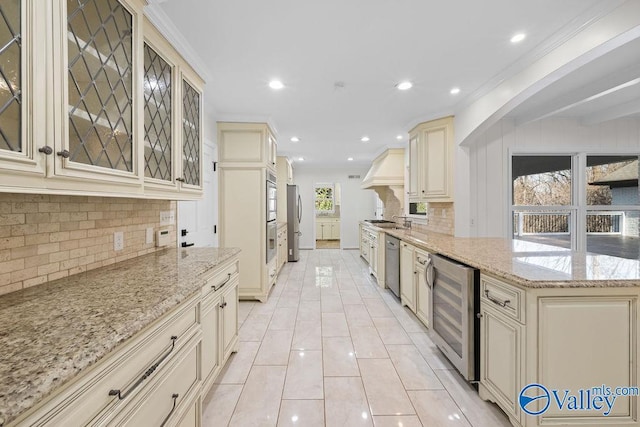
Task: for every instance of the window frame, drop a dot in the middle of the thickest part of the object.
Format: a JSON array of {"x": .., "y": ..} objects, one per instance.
[
  {"x": 333, "y": 198},
  {"x": 578, "y": 208}
]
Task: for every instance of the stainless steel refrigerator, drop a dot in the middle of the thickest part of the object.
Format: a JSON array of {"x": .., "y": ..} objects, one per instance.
[{"x": 294, "y": 216}]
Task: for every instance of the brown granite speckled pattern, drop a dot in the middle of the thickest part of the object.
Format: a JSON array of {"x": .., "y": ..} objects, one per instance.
[
  {"x": 528, "y": 264},
  {"x": 52, "y": 332}
]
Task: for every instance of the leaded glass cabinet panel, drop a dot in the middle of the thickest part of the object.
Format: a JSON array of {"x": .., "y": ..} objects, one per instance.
[
  {"x": 157, "y": 116},
  {"x": 191, "y": 145},
  {"x": 100, "y": 84},
  {"x": 11, "y": 76}
]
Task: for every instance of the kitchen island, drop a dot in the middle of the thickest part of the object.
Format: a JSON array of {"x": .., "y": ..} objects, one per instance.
[
  {"x": 56, "y": 334},
  {"x": 556, "y": 325}
]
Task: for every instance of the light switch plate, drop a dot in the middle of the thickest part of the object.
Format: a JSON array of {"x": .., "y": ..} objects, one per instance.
[
  {"x": 167, "y": 217},
  {"x": 118, "y": 241}
]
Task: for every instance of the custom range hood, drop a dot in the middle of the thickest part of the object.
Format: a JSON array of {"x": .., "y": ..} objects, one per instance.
[{"x": 387, "y": 174}]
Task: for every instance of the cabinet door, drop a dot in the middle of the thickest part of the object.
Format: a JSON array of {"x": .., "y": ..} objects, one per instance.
[
  {"x": 210, "y": 339},
  {"x": 21, "y": 118},
  {"x": 272, "y": 150},
  {"x": 230, "y": 320},
  {"x": 319, "y": 229},
  {"x": 407, "y": 273},
  {"x": 158, "y": 118},
  {"x": 289, "y": 173},
  {"x": 335, "y": 231},
  {"x": 414, "y": 172},
  {"x": 500, "y": 349},
  {"x": 191, "y": 177},
  {"x": 436, "y": 158},
  {"x": 423, "y": 295},
  {"x": 100, "y": 92},
  {"x": 373, "y": 258}
]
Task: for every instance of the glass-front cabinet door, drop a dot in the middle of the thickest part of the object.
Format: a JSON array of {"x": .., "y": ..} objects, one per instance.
[
  {"x": 191, "y": 137},
  {"x": 158, "y": 129},
  {"x": 19, "y": 46},
  {"x": 101, "y": 91}
]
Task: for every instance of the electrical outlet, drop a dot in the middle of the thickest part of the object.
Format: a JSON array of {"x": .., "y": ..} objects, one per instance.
[
  {"x": 149, "y": 239},
  {"x": 118, "y": 241}
]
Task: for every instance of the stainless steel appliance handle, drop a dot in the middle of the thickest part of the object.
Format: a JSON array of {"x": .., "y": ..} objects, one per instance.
[
  {"x": 428, "y": 276},
  {"x": 299, "y": 209},
  {"x": 501, "y": 303}
]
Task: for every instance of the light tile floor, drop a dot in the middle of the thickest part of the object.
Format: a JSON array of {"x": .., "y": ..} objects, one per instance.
[{"x": 331, "y": 348}]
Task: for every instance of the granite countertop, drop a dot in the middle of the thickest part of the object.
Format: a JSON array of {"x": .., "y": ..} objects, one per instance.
[
  {"x": 51, "y": 332},
  {"x": 528, "y": 264}
]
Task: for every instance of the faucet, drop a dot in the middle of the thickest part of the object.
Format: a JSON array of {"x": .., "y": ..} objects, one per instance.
[{"x": 406, "y": 222}]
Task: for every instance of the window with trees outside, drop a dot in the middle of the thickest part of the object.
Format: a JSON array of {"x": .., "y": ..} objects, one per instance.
[
  {"x": 582, "y": 202},
  {"x": 324, "y": 198}
]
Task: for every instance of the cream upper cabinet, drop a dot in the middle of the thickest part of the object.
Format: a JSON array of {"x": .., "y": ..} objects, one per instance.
[
  {"x": 92, "y": 106},
  {"x": 247, "y": 144},
  {"x": 284, "y": 176},
  {"x": 431, "y": 161}
]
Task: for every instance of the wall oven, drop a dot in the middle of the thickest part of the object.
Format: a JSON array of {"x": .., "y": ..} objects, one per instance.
[
  {"x": 272, "y": 226},
  {"x": 456, "y": 303},
  {"x": 272, "y": 197}
]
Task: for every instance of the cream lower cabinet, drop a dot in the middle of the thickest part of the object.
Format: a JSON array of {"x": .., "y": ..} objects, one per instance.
[
  {"x": 407, "y": 276},
  {"x": 283, "y": 246},
  {"x": 159, "y": 376},
  {"x": 328, "y": 229},
  {"x": 569, "y": 340}
]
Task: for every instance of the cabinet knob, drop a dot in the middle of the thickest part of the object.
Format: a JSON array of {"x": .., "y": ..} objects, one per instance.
[
  {"x": 223, "y": 305},
  {"x": 423, "y": 191},
  {"x": 46, "y": 150},
  {"x": 180, "y": 179},
  {"x": 64, "y": 154}
]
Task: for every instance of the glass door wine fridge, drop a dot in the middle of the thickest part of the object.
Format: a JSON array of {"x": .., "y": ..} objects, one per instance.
[{"x": 456, "y": 303}]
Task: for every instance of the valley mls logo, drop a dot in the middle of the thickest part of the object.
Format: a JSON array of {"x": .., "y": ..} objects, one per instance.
[
  {"x": 534, "y": 393},
  {"x": 535, "y": 399}
]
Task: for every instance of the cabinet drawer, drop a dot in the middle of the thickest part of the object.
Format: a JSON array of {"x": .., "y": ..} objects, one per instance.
[
  {"x": 90, "y": 399},
  {"x": 505, "y": 298},
  {"x": 167, "y": 396},
  {"x": 220, "y": 279}
]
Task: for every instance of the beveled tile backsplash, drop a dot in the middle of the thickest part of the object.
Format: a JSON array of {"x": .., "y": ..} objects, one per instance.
[{"x": 46, "y": 237}]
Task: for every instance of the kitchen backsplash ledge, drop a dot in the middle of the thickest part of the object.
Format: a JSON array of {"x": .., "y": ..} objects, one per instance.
[{"x": 47, "y": 237}]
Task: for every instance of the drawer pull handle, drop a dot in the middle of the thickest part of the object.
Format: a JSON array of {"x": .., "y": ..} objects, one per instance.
[
  {"x": 495, "y": 300},
  {"x": 174, "y": 396},
  {"x": 215, "y": 288},
  {"x": 147, "y": 373}
]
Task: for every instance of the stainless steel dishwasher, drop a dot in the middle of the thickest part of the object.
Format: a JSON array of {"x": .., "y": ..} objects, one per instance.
[{"x": 392, "y": 264}]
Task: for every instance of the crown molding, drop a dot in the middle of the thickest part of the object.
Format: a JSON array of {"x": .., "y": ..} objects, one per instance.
[{"x": 168, "y": 29}]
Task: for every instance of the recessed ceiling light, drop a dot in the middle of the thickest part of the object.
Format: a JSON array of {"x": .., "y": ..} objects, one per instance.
[
  {"x": 399, "y": 137},
  {"x": 518, "y": 37},
  {"x": 295, "y": 139},
  {"x": 276, "y": 84},
  {"x": 454, "y": 91},
  {"x": 404, "y": 85},
  {"x": 365, "y": 139},
  {"x": 350, "y": 159},
  {"x": 301, "y": 159}
]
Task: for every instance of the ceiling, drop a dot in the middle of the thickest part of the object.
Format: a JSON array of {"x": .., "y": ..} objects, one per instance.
[{"x": 340, "y": 61}]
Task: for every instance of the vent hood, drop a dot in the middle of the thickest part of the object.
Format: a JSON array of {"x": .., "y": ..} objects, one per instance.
[
  {"x": 387, "y": 170},
  {"x": 387, "y": 174}
]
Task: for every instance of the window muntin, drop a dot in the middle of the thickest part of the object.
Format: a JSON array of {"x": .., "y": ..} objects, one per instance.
[{"x": 324, "y": 200}]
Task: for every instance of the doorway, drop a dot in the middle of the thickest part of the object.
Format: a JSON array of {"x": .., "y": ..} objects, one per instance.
[{"x": 327, "y": 215}]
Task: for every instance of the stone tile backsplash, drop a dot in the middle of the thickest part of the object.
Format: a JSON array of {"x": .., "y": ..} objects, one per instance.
[
  {"x": 440, "y": 219},
  {"x": 46, "y": 237}
]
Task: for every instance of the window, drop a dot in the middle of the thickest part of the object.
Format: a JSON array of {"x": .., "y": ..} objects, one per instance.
[
  {"x": 324, "y": 198},
  {"x": 418, "y": 208},
  {"x": 582, "y": 202}
]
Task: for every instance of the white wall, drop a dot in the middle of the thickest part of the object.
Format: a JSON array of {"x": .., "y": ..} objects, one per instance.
[
  {"x": 356, "y": 204},
  {"x": 200, "y": 216},
  {"x": 489, "y": 159}
]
